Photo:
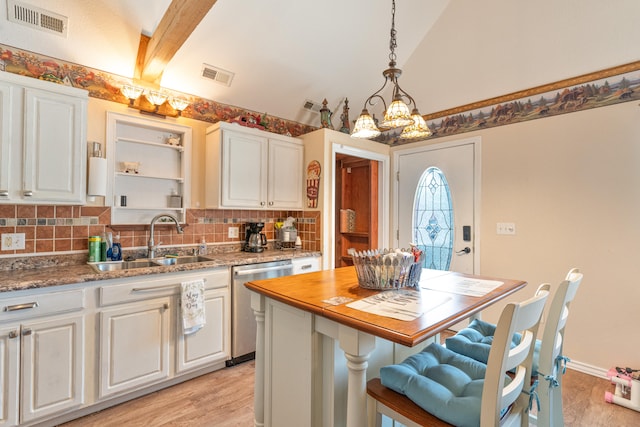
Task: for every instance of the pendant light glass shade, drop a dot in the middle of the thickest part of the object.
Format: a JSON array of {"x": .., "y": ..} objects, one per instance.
[
  {"x": 365, "y": 126},
  {"x": 397, "y": 115},
  {"x": 418, "y": 129}
]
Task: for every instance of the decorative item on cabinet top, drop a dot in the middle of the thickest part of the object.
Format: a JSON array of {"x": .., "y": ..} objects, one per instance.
[{"x": 325, "y": 116}]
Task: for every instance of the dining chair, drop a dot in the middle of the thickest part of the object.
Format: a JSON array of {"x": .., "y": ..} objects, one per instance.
[
  {"x": 548, "y": 364},
  {"x": 438, "y": 387}
]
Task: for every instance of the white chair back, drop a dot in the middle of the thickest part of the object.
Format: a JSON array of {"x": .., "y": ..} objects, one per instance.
[
  {"x": 525, "y": 319},
  {"x": 551, "y": 360}
]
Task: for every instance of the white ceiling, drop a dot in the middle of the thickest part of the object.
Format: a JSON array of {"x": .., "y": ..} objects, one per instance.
[{"x": 281, "y": 51}]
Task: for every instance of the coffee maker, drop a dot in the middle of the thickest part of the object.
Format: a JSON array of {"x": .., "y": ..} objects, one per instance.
[{"x": 255, "y": 240}]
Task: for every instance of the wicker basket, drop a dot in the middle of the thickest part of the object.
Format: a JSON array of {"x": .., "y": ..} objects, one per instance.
[{"x": 386, "y": 268}]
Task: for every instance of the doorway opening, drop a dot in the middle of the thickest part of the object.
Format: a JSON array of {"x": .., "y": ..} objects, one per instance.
[{"x": 356, "y": 206}]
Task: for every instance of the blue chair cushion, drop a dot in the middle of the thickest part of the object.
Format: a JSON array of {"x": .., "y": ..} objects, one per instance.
[
  {"x": 442, "y": 382},
  {"x": 475, "y": 341}
]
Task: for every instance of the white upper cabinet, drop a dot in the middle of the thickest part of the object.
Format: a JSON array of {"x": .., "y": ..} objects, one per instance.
[
  {"x": 248, "y": 168},
  {"x": 149, "y": 163},
  {"x": 43, "y": 149},
  {"x": 7, "y": 94}
]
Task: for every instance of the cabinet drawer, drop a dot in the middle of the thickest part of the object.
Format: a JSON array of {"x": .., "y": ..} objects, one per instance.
[
  {"x": 140, "y": 288},
  {"x": 306, "y": 265},
  {"x": 30, "y": 306}
]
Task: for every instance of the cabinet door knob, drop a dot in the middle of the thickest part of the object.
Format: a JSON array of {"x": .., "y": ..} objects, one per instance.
[
  {"x": 4, "y": 193},
  {"x": 26, "y": 331},
  {"x": 13, "y": 334},
  {"x": 28, "y": 193},
  {"x": 270, "y": 203},
  {"x": 261, "y": 203},
  {"x": 166, "y": 306}
]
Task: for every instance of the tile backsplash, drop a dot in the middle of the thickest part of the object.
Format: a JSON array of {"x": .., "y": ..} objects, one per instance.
[{"x": 62, "y": 228}]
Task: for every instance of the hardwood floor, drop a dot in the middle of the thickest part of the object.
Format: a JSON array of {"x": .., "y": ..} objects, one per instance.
[
  {"x": 225, "y": 399},
  {"x": 222, "y": 399}
]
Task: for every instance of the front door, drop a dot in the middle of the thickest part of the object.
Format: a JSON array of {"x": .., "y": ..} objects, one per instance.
[{"x": 436, "y": 201}]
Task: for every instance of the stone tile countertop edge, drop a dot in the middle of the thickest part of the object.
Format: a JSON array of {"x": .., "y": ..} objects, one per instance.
[{"x": 32, "y": 278}]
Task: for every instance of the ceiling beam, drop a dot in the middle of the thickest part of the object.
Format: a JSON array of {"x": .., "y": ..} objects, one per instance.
[{"x": 177, "y": 24}]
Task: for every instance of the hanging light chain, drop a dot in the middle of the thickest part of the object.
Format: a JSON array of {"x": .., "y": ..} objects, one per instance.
[{"x": 392, "y": 41}]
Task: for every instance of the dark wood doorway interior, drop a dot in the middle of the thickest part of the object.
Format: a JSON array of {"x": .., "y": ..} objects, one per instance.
[{"x": 356, "y": 199}]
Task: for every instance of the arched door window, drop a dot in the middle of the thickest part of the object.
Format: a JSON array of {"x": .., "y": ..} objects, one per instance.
[{"x": 433, "y": 219}]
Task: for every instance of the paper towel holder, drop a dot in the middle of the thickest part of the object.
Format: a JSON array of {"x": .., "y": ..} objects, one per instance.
[{"x": 97, "y": 182}]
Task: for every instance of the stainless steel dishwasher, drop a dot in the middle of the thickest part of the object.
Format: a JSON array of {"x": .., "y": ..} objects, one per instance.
[{"x": 243, "y": 321}]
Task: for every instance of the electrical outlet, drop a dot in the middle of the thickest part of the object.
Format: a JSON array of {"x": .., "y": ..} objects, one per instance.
[
  {"x": 234, "y": 232},
  {"x": 506, "y": 228},
  {"x": 12, "y": 241}
]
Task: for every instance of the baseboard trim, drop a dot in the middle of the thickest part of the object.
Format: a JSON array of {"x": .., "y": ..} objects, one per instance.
[{"x": 587, "y": 369}]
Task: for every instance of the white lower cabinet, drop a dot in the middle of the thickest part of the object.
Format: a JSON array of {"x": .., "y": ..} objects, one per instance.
[
  {"x": 9, "y": 383},
  {"x": 83, "y": 345},
  {"x": 211, "y": 343},
  {"x": 141, "y": 338},
  {"x": 134, "y": 345},
  {"x": 41, "y": 356}
]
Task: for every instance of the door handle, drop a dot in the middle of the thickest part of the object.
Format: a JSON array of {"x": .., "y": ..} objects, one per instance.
[{"x": 464, "y": 251}]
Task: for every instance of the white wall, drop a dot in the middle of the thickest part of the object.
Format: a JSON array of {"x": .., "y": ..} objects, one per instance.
[
  {"x": 482, "y": 49},
  {"x": 571, "y": 184}
]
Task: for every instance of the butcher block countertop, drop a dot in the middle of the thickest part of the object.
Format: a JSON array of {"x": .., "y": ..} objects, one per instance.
[
  {"x": 39, "y": 272},
  {"x": 314, "y": 292}
]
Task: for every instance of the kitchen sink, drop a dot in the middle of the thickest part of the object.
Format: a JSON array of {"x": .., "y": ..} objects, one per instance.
[
  {"x": 122, "y": 265},
  {"x": 140, "y": 263},
  {"x": 182, "y": 260}
]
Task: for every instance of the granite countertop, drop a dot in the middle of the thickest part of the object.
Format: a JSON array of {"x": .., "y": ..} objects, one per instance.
[{"x": 64, "y": 271}]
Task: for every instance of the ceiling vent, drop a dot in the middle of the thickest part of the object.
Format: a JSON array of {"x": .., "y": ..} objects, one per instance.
[
  {"x": 312, "y": 106},
  {"x": 216, "y": 74},
  {"x": 37, "y": 18}
]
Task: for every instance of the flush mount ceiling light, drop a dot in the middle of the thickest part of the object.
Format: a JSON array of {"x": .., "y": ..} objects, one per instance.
[{"x": 398, "y": 114}]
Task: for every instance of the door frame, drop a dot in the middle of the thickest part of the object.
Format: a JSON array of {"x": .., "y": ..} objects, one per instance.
[
  {"x": 476, "y": 142},
  {"x": 383, "y": 197}
]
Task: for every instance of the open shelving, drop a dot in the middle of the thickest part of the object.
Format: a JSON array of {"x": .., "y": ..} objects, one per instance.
[{"x": 146, "y": 168}]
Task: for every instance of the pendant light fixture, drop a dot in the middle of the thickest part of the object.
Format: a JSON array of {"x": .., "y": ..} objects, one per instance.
[{"x": 398, "y": 114}]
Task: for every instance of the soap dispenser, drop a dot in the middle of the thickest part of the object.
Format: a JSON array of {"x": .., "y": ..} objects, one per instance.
[
  {"x": 202, "y": 248},
  {"x": 116, "y": 249}
]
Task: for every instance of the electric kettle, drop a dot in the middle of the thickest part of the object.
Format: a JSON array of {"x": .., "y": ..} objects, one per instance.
[{"x": 255, "y": 240}]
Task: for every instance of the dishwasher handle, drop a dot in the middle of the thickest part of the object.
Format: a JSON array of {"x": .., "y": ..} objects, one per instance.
[{"x": 263, "y": 270}]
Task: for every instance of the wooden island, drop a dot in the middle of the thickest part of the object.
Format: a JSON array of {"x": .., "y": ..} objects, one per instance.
[{"x": 315, "y": 353}]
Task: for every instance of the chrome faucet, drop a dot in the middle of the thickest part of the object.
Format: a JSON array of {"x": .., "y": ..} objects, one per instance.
[{"x": 152, "y": 245}]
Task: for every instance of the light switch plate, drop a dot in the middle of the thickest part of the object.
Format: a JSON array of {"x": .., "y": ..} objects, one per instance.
[
  {"x": 506, "y": 228},
  {"x": 11, "y": 241},
  {"x": 233, "y": 232}
]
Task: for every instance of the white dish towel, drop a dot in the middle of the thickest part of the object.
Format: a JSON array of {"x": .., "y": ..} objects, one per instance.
[{"x": 192, "y": 303}]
